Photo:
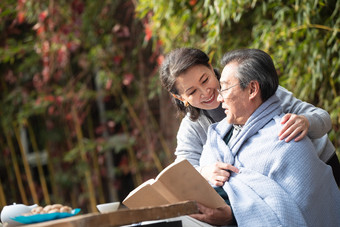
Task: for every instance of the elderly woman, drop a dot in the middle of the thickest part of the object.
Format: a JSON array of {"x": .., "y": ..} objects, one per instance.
[{"x": 278, "y": 183}]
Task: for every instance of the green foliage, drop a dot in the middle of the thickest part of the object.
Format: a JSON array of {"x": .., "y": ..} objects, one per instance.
[
  {"x": 118, "y": 143},
  {"x": 302, "y": 37},
  {"x": 68, "y": 65},
  {"x": 82, "y": 73}
]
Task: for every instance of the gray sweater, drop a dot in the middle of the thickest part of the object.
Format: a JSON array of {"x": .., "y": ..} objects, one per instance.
[{"x": 192, "y": 135}]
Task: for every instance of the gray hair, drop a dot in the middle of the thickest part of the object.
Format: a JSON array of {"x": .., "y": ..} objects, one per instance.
[{"x": 254, "y": 64}]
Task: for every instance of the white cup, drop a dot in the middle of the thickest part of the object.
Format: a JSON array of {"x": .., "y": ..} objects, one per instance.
[
  {"x": 12, "y": 211},
  {"x": 108, "y": 207}
]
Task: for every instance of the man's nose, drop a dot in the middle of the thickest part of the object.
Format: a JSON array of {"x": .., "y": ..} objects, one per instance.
[{"x": 219, "y": 98}]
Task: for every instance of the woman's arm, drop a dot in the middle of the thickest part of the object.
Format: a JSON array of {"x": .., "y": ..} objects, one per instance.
[
  {"x": 191, "y": 137},
  {"x": 318, "y": 119}
]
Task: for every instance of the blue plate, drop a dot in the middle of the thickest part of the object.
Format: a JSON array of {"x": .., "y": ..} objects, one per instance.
[{"x": 44, "y": 217}]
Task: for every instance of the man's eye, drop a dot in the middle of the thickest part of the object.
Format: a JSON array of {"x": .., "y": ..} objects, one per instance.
[{"x": 205, "y": 80}]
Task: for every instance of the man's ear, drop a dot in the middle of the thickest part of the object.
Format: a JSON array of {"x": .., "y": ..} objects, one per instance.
[{"x": 254, "y": 89}]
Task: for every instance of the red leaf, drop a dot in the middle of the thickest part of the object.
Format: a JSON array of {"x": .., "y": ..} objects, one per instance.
[
  {"x": 72, "y": 46},
  {"x": 49, "y": 98},
  {"x": 128, "y": 78},
  {"x": 111, "y": 126},
  {"x": 100, "y": 129},
  {"x": 192, "y": 2},
  {"x": 40, "y": 30},
  {"x": 37, "y": 82},
  {"x": 77, "y": 6},
  {"x": 58, "y": 75},
  {"x": 59, "y": 100},
  {"x": 46, "y": 47},
  {"x": 38, "y": 101},
  {"x": 43, "y": 15},
  {"x": 62, "y": 57},
  {"x": 68, "y": 116},
  {"x": 117, "y": 59},
  {"x": 148, "y": 32},
  {"x": 46, "y": 73},
  {"x": 10, "y": 77},
  {"x": 159, "y": 43},
  {"x": 160, "y": 59},
  {"x": 21, "y": 17},
  {"x": 51, "y": 110},
  {"x": 108, "y": 84}
]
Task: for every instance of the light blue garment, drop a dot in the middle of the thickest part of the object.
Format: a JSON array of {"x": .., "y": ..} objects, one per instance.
[
  {"x": 279, "y": 184},
  {"x": 192, "y": 135}
]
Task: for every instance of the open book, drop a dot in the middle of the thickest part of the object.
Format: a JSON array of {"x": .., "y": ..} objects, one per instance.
[{"x": 178, "y": 182}]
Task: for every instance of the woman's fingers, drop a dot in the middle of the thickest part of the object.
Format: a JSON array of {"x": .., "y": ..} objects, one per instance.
[
  {"x": 295, "y": 126},
  {"x": 285, "y": 118},
  {"x": 301, "y": 136},
  {"x": 290, "y": 134},
  {"x": 287, "y": 123}
]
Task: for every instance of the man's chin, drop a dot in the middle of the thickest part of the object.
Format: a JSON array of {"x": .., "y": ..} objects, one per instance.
[
  {"x": 226, "y": 112},
  {"x": 232, "y": 121},
  {"x": 229, "y": 121}
]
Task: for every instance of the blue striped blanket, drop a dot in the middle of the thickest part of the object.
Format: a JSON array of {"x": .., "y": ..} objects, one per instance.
[{"x": 279, "y": 183}]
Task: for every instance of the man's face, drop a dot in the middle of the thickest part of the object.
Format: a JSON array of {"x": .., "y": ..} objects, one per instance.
[{"x": 235, "y": 101}]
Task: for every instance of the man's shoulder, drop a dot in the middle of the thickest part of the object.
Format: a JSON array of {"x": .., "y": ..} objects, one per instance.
[
  {"x": 273, "y": 126},
  {"x": 281, "y": 90}
]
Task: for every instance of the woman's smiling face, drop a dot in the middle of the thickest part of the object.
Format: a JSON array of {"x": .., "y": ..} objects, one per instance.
[{"x": 198, "y": 85}]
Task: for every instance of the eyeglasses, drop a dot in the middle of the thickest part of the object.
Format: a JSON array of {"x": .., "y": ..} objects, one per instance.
[{"x": 224, "y": 90}]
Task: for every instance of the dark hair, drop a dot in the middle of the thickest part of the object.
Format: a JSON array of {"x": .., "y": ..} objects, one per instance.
[
  {"x": 254, "y": 64},
  {"x": 177, "y": 62}
]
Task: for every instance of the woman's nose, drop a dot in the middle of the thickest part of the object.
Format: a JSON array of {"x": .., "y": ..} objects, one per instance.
[{"x": 205, "y": 92}]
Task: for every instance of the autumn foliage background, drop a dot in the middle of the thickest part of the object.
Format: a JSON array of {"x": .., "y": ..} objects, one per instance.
[{"x": 83, "y": 117}]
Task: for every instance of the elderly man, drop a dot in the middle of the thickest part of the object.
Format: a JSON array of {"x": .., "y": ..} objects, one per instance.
[{"x": 279, "y": 183}]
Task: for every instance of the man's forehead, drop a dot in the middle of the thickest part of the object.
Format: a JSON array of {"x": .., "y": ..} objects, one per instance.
[
  {"x": 226, "y": 80},
  {"x": 228, "y": 73}
]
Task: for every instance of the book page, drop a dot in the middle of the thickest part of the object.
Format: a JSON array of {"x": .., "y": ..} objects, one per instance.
[
  {"x": 143, "y": 196},
  {"x": 186, "y": 183},
  {"x": 178, "y": 182},
  {"x": 163, "y": 190}
]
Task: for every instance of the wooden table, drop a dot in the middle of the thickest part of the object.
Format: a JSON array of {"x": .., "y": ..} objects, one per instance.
[{"x": 123, "y": 216}]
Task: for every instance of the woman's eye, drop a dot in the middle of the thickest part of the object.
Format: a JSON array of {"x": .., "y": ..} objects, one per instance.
[
  {"x": 192, "y": 92},
  {"x": 205, "y": 80}
]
